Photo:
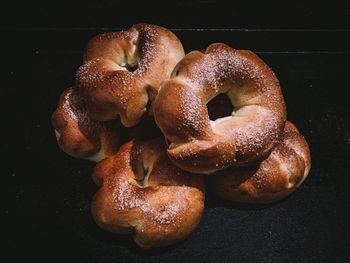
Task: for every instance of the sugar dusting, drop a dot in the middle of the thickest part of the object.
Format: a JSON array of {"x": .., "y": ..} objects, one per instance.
[
  {"x": 252, "y": 136},
  {"x": 219, "y": 70},
  {"x": 74, "y": 106},
  {"x": 165, "y": 214},
  {"x": 281, "y": 170},
  {"x": 75, "y": 109},
  {"x": 102, "y": 135},
  {"x": 148, "y": 48},
  {"x": 126, "y": 196},
  {"x": 190, "y": 109},
  {"x": 161, "y": 204},
  {"x": 123, "y": 87}
]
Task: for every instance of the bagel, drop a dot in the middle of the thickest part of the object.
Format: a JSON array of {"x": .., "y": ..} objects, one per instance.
[
  {"x": 80, "y": 136},
  {"x": 122, "y": 71},
  {"x": 144, "y": 194},
  {"x": 247, "y": 136},
  {"x": 273, "y": 179}
]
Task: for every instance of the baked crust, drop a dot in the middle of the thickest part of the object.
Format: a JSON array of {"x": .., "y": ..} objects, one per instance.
[
  {"x": 144, "y": 194},
  {"x": 200, "y": 145},
  {"x": 122, "y": 71},
  {"x": 273, "y": 179},
  {"x": 80, "y": 136}
]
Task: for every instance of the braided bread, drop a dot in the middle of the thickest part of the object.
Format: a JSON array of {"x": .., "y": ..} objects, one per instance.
[
  {"x": 247, "y": 136},
  {"x": 144, "y": 194},
  {"x": 274, "y": 178},
  {"x": 80, "y": 136},
  {"x": 220, "y": 110},
  {"x": 122, "y": 71}
]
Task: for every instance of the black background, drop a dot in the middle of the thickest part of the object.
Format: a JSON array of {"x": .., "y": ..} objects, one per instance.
[{"x": 46, "y": 194}]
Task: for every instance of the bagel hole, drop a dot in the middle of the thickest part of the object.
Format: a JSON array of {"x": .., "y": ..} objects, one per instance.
[
  {"x": 175, "y": 72},
  {"x": 128, "y": 63},
  {"x": 170, "y": 144},
  {"x": 142, "y": 175},
  {"x": 149, "y": 104},
  {"x": 219, "y": 107},
  {"x": 131, "y": 68}
]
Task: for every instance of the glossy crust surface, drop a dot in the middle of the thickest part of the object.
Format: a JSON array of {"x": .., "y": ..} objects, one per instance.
[
  {"x": 80, "y": 136},
  {"x": 273, "y": 179},
  {"x": 122, "y": 71},
  {"x": 200, "y": 145},
  {"x": 144, "y": 194}
]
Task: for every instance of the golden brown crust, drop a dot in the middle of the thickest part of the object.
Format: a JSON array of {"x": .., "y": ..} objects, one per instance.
[
  {"x": 273, "y": 179},
  {"x": 122, "y": 71},
  {"x": 80, "y": 136},
  {"x": 143, "y": 193},
  {"x": 200, "y": 145}
]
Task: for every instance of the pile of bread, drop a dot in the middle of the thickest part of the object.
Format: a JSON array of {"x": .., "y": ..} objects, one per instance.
[{"x": 220, "y": 113}]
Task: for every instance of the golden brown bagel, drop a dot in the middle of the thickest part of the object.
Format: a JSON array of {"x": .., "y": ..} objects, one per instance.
[
  {"x": 122, "y": 71},
  {"x": 80, "y": 136},
  {"x": 144, "y": 194},
  {"x": 247, "y": 136},
  {"x": 273, "y": 179}
]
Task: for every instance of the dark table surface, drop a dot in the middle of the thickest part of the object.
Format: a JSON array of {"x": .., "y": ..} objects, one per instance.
[{"x": 46, "y": 194}]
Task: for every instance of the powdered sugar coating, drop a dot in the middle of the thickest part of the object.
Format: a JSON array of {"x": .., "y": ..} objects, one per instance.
[
  {"x": 247, "y": 136},
  {"x": 80, "y": 136},
  {"x": 126, "y": 197},
  {"x": 162, "y": 209},
  {"x": 122, "y": 71},
  {"x": 165, "y": 214},
  {"x": 274, "y": 178}
]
